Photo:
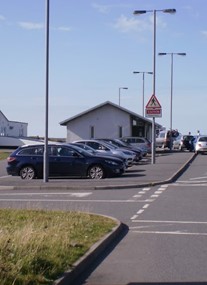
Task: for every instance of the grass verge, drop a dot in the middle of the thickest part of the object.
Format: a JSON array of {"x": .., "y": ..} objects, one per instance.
[
  {"x": 4, "y": 155},
  {"x": 36, "y": 247}
]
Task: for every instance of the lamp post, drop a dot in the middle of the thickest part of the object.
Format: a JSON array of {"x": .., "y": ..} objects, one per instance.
[
  {"x": 120, "y": 92},
  {"x": 46, "y": 160},
  {"x": 143, "y": 78},
  {"x": 171, "y": 87},
  {"x": 139, "y": 12}
]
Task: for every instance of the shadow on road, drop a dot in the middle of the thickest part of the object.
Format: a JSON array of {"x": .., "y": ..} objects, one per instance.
[{"x": 99, "y": 259}]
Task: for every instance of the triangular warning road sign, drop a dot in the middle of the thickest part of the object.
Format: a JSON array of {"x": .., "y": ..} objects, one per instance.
[{"x": 153, "y": 103}]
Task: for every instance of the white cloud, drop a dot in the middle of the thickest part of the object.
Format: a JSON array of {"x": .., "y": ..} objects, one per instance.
[
  {"x": 125, "y": 25},
  {"x": 2, "y": 18},
  {"x": 104, "y": 9},
  {"x": 137, "y": 24},
  {"x": 64, "y": 29},
  {"x": 31, "y": 25},
  {"x": 204, "y": 33}
]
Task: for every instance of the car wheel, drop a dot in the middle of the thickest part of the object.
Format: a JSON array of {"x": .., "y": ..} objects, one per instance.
[
  {"x": 27, "y": 172},
  {"x": 96, "y": 172}
]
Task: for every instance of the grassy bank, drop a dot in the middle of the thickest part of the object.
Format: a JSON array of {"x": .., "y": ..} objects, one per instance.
[
  {"x": 4, "y": 155},
  {"x": 36, "y": 247}
]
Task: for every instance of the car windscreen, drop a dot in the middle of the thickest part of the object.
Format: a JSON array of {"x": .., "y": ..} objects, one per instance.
[{"x": 202, "y": 139}]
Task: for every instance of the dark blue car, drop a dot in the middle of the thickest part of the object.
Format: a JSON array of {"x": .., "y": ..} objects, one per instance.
[{"x": 64, "y": 161}]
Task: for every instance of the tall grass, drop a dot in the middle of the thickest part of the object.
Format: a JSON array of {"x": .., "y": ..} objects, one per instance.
[{"x": 36, "y": 247}]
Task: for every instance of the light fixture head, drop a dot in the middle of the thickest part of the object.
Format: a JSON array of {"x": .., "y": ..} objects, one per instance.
[{"x": 170, "y": 11}]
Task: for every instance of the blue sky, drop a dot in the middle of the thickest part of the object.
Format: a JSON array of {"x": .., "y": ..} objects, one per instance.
[{"x": 94, "y": 48}]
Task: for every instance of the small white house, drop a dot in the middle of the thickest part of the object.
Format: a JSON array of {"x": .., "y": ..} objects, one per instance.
[
  {"x": 12, "y": 128},
  {"x": 107, "y": 120}
]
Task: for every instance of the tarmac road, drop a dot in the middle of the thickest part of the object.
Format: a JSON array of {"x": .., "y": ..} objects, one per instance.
[{"x": 168, "y": 167}]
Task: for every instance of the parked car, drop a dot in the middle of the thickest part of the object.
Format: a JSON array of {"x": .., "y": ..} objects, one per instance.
[
  {"x": 104, "y": 147},
  {"x": 200, "y": 144},
  {"x": 120, "y": 144},
  {"x": 183, "y": 142},
  {"x": 163, "y": 138},
  {"x": 64, "y": 161},
  {"x": 93, "y": 151},
  {"x": 142, "y": 142}
]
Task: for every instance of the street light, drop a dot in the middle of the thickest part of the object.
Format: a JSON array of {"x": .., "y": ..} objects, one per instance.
[
  {"x": 143, "y": 77},
  {"x": 120, "y": 92},
  {"x": 46, "y": 160},
  {"x": 171, "y": 87},
  {"x": 139, "y": 12}
]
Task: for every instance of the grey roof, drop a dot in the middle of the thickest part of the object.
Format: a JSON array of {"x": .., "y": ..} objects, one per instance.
[
  {"x": 65, "y": 122},
  {"x": 11, "y": 121}
]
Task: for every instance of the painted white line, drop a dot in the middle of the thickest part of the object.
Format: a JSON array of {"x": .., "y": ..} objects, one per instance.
[
  {"x": 196, "y": 178},
  {"x": 48, "y": 194},
  {"x": 69, "y": 200},
  {"x": 140, "y": 211},
  {"x": 137, "y": 196},
  {"x": 171, "y": 222},
  {"x": 148, "y": 200},
  {"x": 134, "y": 217},
  {"x": 141, "y": 192},
  {"x": 190, "y": 185},
  {"x": 158, "y": 192},
  {"x": 4, "y": 176},
  {"x": 146, "y": 189},
  {"x": 170, "y": 233},
  {"x": 145, "y": 206},
  {"x": 154, "y": 196}
]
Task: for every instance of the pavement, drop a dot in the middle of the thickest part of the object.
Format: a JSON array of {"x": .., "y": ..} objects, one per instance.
[{"x": 167, "y": 168}]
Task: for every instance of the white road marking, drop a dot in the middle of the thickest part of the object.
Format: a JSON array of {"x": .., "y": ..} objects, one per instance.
[
  {"x": 140, "y": 211},
  {"x": 171, "y": 222},
  {"x": 145, "y": 206},
  {"x": 141, "y": 192},
  {"x": 73, "y": 194},
  {"x": 134, "y": 217},
  {"x": 158, "y": 192},
  {"x": 6, "y": 176},
  {"x": 204, "y": 177},
  {"x": 170, "y": 233},
  {"x": 154, "y": 196},
  {"x": 146, "y": 189}
]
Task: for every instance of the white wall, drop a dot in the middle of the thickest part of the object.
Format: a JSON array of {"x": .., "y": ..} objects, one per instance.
[
  {"x": 106, "y": 121},
  {"x": 12, "y": 128}
]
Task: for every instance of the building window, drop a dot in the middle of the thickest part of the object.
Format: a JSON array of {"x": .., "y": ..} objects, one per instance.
[
  {"x": 92, "y": 132},
  {"x": 120, "y": 132}
]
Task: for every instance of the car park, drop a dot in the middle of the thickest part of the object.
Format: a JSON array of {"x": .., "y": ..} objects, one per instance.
[
  {"x": 200, "y": 144},
  {"x": 120, "y": 144},
  {"x": 141, "y": 142},
  {"x": 64, "y": 161},
  {"x": 104, "y": 147}
]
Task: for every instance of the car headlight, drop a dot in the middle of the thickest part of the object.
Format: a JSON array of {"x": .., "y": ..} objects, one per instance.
[{"x": 111, "y": 162}]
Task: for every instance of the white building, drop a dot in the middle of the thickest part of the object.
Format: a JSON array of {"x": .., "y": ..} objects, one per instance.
[
  {"x": 107, "y": 120},
  {"x": 12, "y": 128}
]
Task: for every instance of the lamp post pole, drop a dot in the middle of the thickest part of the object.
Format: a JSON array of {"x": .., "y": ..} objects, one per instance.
[
  {"x": 120, "y": 93},
  {"x": 46, "y": 160},
  {"x": 143, "y": 81},
  {"x": 139, "y": 12},
  {"x": 171, "y": 87}
]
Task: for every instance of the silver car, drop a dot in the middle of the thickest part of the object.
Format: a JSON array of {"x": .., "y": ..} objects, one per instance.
[
  {"x": 201, "y": 144},
  {"x": 103, "y": 147}
]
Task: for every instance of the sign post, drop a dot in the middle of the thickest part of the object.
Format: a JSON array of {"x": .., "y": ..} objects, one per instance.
[{"x": 153, "y": 109}]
